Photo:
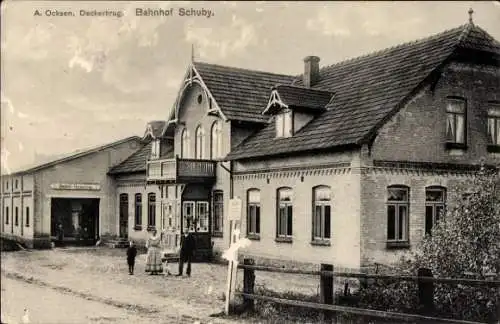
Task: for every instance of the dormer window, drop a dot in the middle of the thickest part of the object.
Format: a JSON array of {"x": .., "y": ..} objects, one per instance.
[
  {"x": 155, "y": 149},
  {"x": 284, "y": 124}
]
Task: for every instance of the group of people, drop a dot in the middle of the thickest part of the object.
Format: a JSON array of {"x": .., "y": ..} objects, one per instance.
[{"x": 155, "y": 261}]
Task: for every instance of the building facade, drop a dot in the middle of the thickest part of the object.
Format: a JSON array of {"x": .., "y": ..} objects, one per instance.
[
  {"x": 347, "y": 164},
  {"x": 72, "y": 194}
]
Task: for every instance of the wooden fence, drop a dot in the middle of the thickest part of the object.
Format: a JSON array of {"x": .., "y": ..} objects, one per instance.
[{"x": 424, "y": 279}]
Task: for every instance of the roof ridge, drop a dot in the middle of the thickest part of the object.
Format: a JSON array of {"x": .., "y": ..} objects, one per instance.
[
  {"x": 243, "y": 69},
  {"x": 388, "y": 49},
  {"x": 74, "y": 155},
  {"x": 304, "y": 88}
]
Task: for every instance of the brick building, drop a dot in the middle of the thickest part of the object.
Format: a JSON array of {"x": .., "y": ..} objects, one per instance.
[
  {"x": 72, "y": 191},
  {"x": 348, "y": 164}
]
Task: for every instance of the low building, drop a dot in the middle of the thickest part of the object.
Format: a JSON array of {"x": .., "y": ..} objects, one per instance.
[{"x": 72, "y": 194}]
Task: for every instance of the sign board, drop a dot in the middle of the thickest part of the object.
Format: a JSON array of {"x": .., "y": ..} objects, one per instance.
[
  {"x": 235, "y": 209},
  {"x": 75, "y": 186}
]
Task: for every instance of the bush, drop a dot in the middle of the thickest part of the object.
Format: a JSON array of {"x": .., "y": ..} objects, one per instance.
[{"x": 464, "y": 243}]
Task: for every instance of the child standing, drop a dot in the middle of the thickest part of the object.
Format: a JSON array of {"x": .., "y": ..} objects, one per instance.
[{"x": 131, "y": 254}]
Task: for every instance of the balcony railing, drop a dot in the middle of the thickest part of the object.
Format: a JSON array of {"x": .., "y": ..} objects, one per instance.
[{"x": 178, "y": 170}]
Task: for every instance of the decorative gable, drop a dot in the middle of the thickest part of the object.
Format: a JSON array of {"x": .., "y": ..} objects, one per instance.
[{"x": 293, "y": 107}]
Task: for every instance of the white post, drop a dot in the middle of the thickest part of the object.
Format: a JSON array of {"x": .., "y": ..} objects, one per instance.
[{"x": 232, "y": 255}]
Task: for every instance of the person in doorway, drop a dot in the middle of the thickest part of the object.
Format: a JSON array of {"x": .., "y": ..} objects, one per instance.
[
  {"x": 60, "y": 234},
  {"x": 153, "y": 261},
  {"x": 188, "y": 246},
  {"x": 131, "y": 254}
]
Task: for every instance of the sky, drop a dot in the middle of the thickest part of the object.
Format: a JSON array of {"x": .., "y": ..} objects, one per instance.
[{"x": 69, "y": 83}]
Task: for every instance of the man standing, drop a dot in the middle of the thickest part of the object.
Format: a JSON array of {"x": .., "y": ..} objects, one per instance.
[{"x": 188, "y": 246}]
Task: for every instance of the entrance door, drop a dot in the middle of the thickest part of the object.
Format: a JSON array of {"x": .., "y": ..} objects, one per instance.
[
  {"x": 195, "y": 215},
  {"x": 124, "y": 215}
]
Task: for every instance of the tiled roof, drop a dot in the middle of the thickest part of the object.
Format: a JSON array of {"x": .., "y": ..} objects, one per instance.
[
  {"x": 76, "y": 155},
  {"x": 241, "y": 94},
  {"x": 295, "y": 96},
  {"x": 154, "y": 128},
  {"x": 136, "y": 163},
  {"x": 367, "y": 91}
]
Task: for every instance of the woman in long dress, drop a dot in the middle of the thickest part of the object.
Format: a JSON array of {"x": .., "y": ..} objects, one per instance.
[{"x": 153, "y": 261}]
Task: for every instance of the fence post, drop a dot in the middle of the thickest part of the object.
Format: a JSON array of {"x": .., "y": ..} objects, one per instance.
[
  {"x": 326, "y": 290},
  {"x": 248, "y": 284},
  {"x": 426, "y": 291}
]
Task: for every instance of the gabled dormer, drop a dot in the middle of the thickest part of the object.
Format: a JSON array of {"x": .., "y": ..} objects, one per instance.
[
  {"x": 292, "y": 107},
  {"x": 153, "y": 133}
]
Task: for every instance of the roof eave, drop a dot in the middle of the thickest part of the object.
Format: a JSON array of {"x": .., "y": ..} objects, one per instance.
[{"x": 334, "y": 148}]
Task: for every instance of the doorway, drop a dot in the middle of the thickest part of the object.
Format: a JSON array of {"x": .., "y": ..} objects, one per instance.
[
  {"x": 75, "y": 220},
  {"x": 123, "y": 231}
]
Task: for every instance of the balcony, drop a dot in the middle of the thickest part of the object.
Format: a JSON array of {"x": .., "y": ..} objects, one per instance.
[{"x": 178, "y": 170}]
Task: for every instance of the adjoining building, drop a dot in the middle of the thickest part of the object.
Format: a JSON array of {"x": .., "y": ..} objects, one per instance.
[{"x": 72, "y": 194}]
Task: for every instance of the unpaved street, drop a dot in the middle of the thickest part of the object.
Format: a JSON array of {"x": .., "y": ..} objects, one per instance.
[{"x": 46, "y": 305}]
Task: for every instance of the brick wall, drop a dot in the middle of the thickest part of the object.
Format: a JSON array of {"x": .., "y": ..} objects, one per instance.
[
  {"x": 374, "y": 208},
  {"x": 417, "y": 132}
]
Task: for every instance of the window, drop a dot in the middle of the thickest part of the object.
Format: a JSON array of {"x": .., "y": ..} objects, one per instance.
[
  {"x": 138, "y": 211},
  {"x": 321, "y": 213},
  {"x": 155, "y": 149},
  {"x": 202, "y": 216},
  {"x": 17, "y": 183},
  {"x": 185, "y": 144},
  {"x": 435, "y": 204},
  {"x": 151, "y": 210},
  {"x": 494, "y": 125},
  {"x": 397, "y": 213},
  {"x": 285, "y": 213},
  {"x": 253, "y": 212},
  {"x": 284, "y": 124},
  {"x": 200, "y": 143},
  {"x": 218, "y": 213},
  {"x": 17, "y": 216},
  {"x": 27, "y": 217},
  {"x": 7, "y": 215},
  {"x": 7, "y": 183},
  {"x": 216, "y": 141},
  {"x": 455, "y": 121}
]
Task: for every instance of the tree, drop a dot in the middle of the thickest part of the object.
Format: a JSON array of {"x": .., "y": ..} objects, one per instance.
[
  {"x": 467, "y": 240},
  {"x": 465, "y": 243}
]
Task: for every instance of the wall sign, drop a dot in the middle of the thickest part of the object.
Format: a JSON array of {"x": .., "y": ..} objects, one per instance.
[
  {"x": 75, "y": 186},
  {"x": 235, "y": 209}
]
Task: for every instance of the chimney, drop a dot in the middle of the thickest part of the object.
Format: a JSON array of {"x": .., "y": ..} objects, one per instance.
[{"x": 311, "y": 71}]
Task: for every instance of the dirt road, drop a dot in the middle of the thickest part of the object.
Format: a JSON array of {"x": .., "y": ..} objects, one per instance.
[{"x": 46, "y": 305}]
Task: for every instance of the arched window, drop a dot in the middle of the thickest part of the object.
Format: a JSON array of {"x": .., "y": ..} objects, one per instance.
[
  {"x": 321, "y": 213},
  {"x": 398, "y": 205},
  {"x": 216, "y": 141},
  {"x": 253, "y": 212},
  {"x": 200, "y": 143},
  {"x": 435, "y": 206},
  {"x": 185, "y": 144},
  {"x": 285, "y": 213}
]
